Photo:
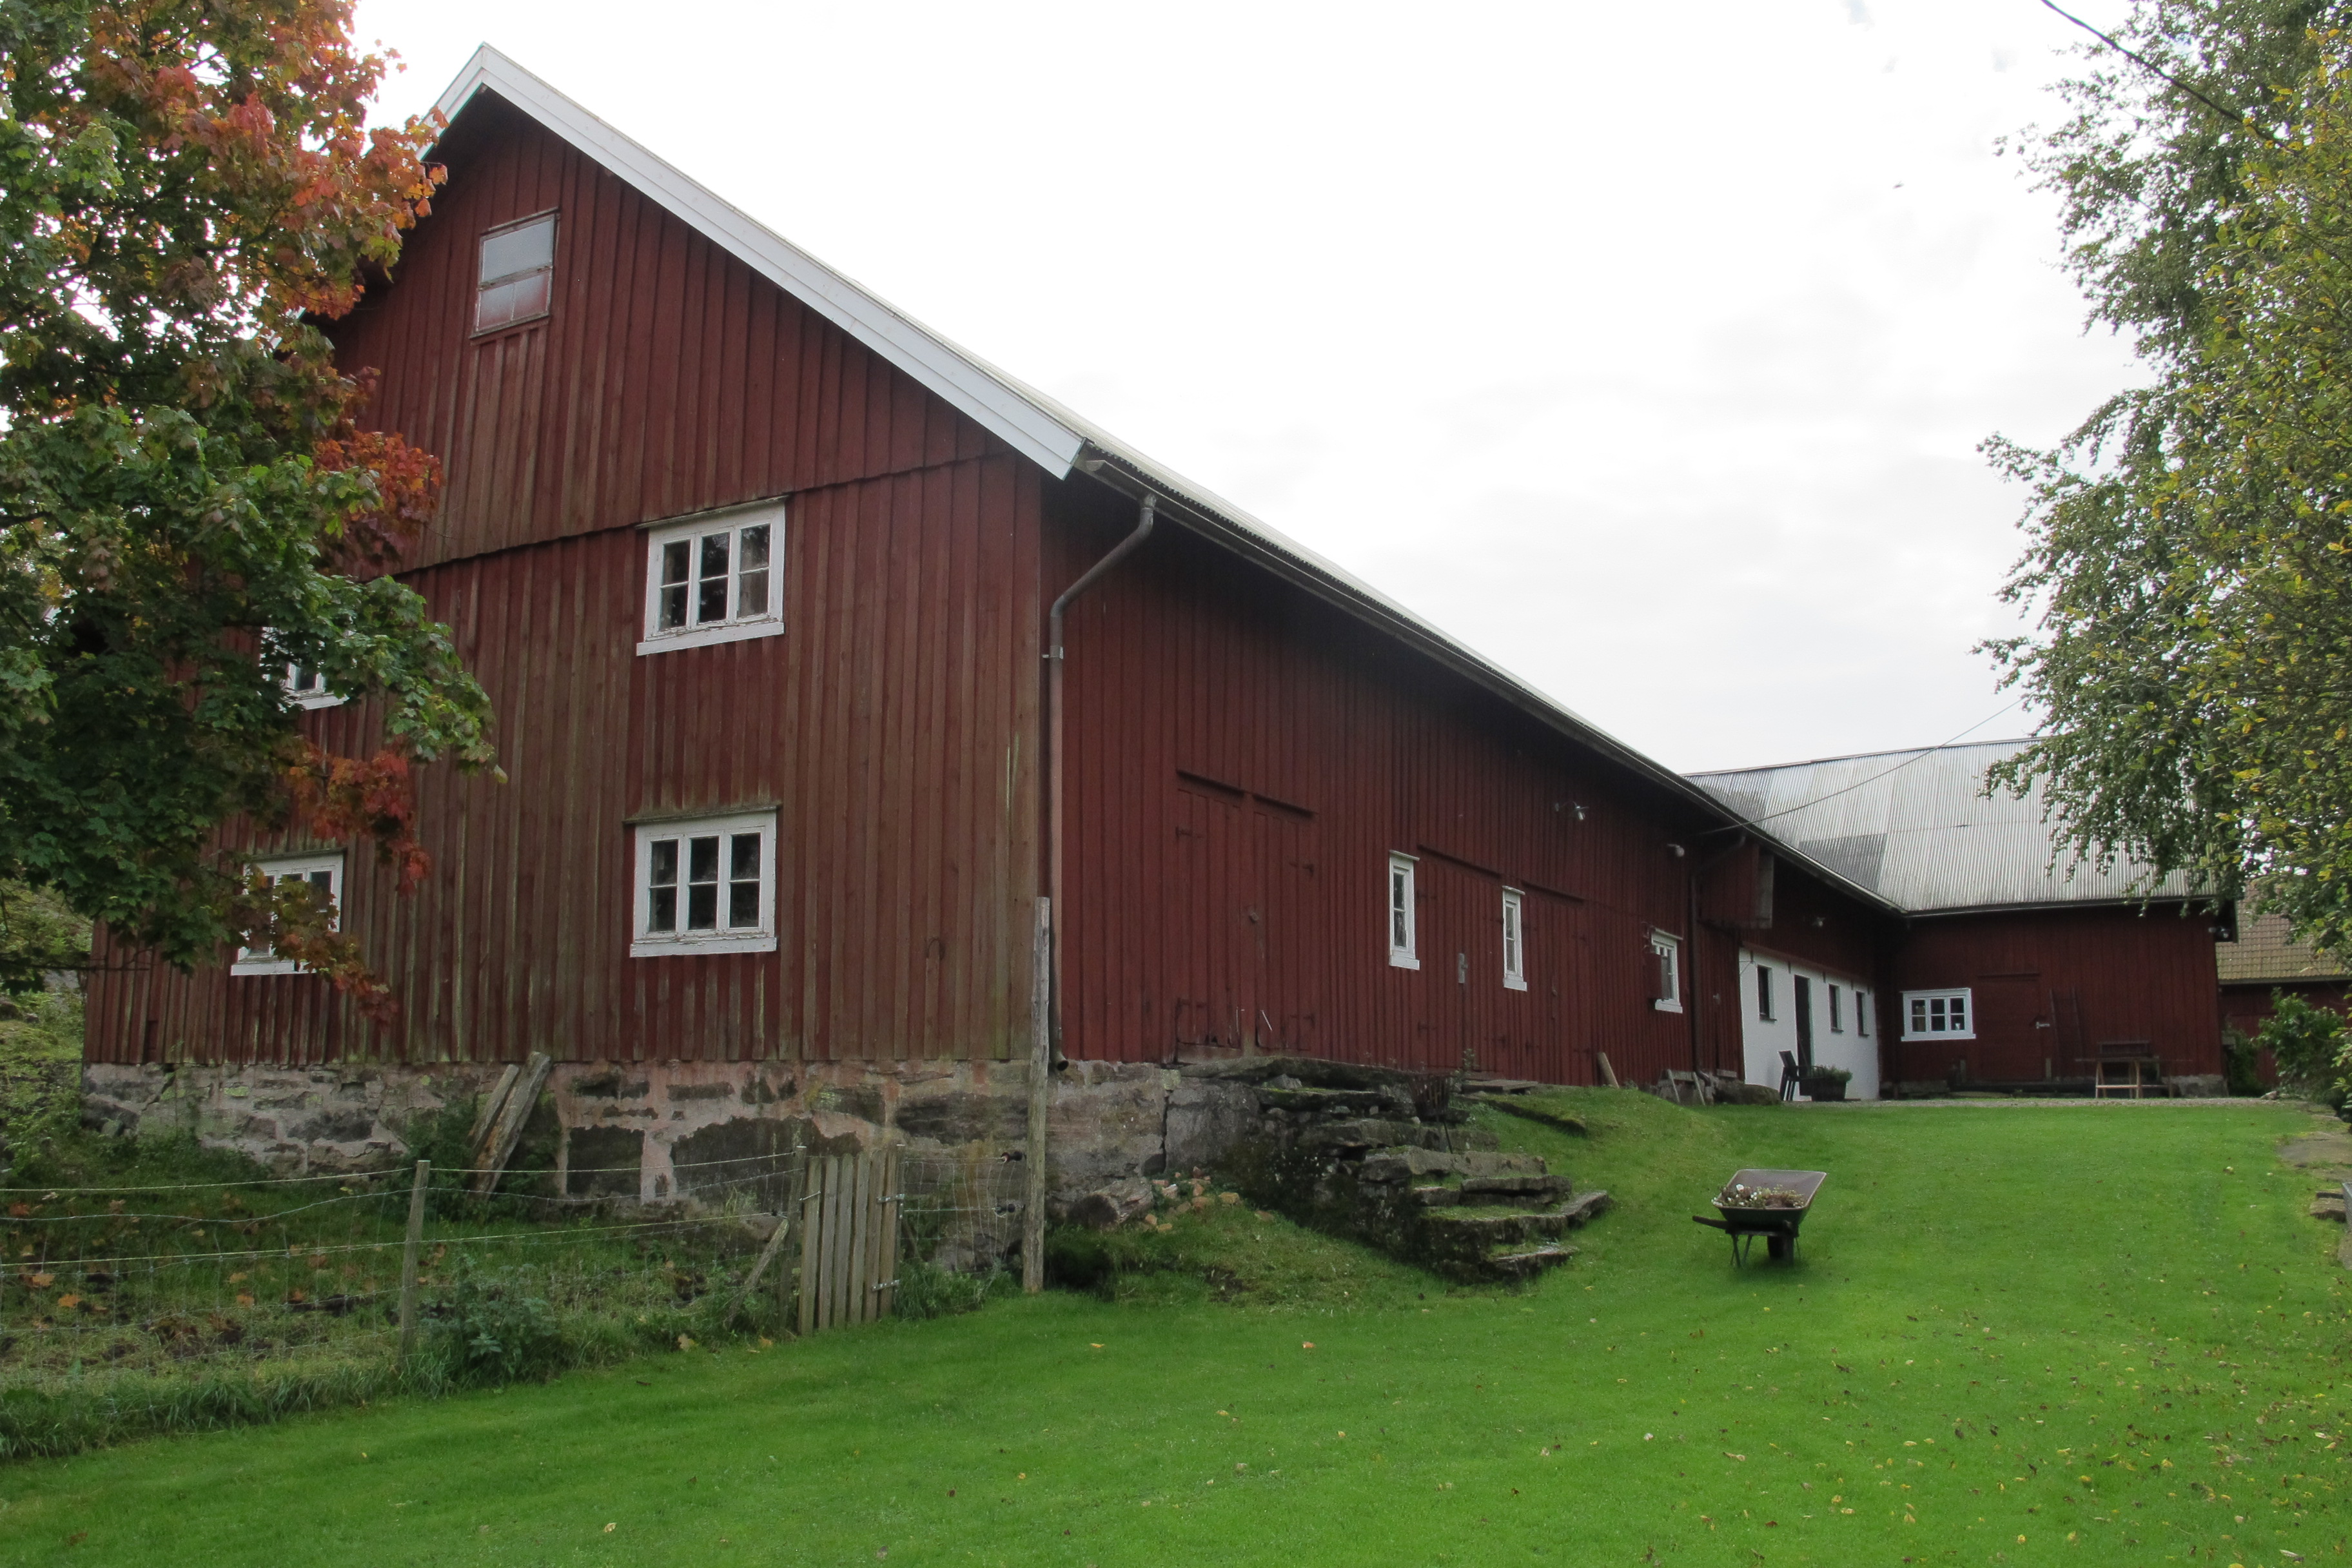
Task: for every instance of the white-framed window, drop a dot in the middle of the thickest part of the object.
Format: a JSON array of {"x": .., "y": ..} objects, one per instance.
[
  {"x": 717, "y": 579},
  {"x": 1402, "y": 953},
  {"x": 1837, "y": 1018},
  {"x": 1862, "y": 1012},
  {"x": 515, "y": 280},
  {"x": 1764, "y": 992},
  {"x": 1515, "y": 947},
  {"x": 1938, "y": 1015},
  {"x": 307, "y": 688},
  {"x": 323, "y": 872},
  {"x": 1666, "y": 954},
  {"x": 706, "y": 885}
]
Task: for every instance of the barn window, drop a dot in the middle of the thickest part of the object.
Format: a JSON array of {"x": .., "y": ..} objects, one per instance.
[
  {"x": 325, "y": 875},
  {"x": 706, "y": 885},
  {"x": 720, "y": 579},
  {"x": 1837, "y": 1018},
  {"x": 516, "y": 276},
  {"x": 1666, "y": 973},
  {"x": 1401, "y": 952},
  {"x": 1764, "y": 992},
  {"x": 1514, "y": 952},
  {"x": 1937, "y": 1016},
  {"x": 307, "y": 688}
]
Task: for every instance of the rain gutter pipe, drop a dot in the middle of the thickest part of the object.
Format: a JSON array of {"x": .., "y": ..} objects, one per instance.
[{"x": 1044, "y": 989}]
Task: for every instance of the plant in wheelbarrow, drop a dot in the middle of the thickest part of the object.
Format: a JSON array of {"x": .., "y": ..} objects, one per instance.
[
  {"x": 1824, "y": 1082},
  {"x": 1767, "y": 1204}
]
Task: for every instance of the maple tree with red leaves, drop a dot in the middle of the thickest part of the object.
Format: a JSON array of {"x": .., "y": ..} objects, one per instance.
[{"x": 188, "y": 505}]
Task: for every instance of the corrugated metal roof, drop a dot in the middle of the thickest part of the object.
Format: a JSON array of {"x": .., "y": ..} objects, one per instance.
[
  {"x": 2265, "y": 952},
  {"x": 1918, "y": 828},
  {"x": 1033, "y": 423}
]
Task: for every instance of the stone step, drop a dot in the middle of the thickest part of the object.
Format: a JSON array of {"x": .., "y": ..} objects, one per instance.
[
  {"x": 1461, "y": 1235},
  {"x": 1590, "y": 1206},
  {"x": 1405, "y": 1163},
  {"x": 1335, "y": 1102},
  {"x": 1529, "y": 1263},
  {"x": 1436, "y": 1197},
  {"x": 1524, "y": 1189}
]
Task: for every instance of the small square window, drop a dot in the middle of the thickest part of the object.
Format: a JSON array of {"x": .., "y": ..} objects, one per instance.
[
  {"x": 719, "y": 580},
  {"x": 1514, "y": 952},
  {"x": 515, "y": 280},
  {"x": 1938, "y": 1015},
  {"x": 706, "y": 886},
  {"x": 1666, "y": 973},
  {"x": 1402, "y": 954},
  {"x": 305, "y": 685},
  {"x": 325, "y": 875}
]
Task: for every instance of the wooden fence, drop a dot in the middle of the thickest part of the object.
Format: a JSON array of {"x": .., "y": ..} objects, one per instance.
[{"x": 849, "y": 1239}]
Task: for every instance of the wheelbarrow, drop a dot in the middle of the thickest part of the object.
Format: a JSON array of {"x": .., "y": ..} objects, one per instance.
[{"x": 1769, "y": 1204}]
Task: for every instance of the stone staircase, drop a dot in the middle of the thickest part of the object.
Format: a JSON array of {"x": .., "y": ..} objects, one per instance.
[{"x": 1361, "y": 1158}]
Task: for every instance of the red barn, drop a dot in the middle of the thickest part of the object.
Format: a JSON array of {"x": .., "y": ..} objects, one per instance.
[
  {"x": 2010, "y": 965},
  {"x": 762, "y": 577}
]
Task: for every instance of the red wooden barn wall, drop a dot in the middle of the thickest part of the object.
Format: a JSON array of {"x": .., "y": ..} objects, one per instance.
[
  {"x": 1240, "y": 761},
  {"x": 892, "y": 724},
  {"x": 2135, "y": 976}
]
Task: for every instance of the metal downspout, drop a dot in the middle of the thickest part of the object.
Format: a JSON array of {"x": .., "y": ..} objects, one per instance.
[{"x": 1045, "y": 975}]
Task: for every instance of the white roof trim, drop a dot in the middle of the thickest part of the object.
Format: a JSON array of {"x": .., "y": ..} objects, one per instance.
[
  {"x": 1036, "y": 426},
  {"x": 1010, "y": 413}
]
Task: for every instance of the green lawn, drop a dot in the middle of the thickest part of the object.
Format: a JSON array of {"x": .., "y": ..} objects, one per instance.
[{"x": 2078, "y": 1327}]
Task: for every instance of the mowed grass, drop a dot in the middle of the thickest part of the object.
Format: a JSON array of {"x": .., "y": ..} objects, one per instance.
[{"x": 2070, "y": 1335}]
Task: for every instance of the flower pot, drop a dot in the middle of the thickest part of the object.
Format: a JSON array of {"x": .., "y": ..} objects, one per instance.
[{"x": 1825, "y": 1088}]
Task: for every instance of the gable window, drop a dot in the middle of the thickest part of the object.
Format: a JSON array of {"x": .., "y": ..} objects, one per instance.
[
  {"x": 1861, "y": 1012},
  {"x": 706, "y": 885},
  {"x": 1666, "y": 954},
  {"x": 1402, "y": 953},
  {"x": 717, "y": 579},
  {"x": 515, "y": 278},
  {"x": 1764, "y": 992},
  {"x": 325, "y": 875},
  {"x": 1937, "y": 1015},
  {"x": 1515, "y": 960},
  {"x": 1837, "y": 1018}
]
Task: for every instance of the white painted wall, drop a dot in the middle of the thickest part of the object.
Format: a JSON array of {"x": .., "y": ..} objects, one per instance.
[{"x": 1763, "y": 1039}]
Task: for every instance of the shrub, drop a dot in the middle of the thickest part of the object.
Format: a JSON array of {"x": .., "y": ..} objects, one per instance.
[
  {"x": 1820, "y": 1073},
  {"x": 488, "y": 1328},
  {"x": 2240, "y": 1056},
  {"x": 927, "y": 1290},
  {"x": 2305, "y": 1041}
]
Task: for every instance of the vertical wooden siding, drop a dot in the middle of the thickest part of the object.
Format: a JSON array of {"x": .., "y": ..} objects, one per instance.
[
  {"x": 1242, "y": 760},
  {"x": 2133, "y": 976},
  {"x": 892, "y": 724}
]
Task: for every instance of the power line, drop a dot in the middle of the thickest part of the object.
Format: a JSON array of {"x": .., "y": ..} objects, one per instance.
[
  {"x": 2237, "y": 116},
  {"x": 1929, "y": 751}
]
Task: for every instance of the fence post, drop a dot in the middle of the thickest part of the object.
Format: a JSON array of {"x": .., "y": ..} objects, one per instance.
[{"x": 408, "y": 1260}]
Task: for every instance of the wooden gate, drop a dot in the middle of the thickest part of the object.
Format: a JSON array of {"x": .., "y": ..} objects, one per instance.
[{"x": 849, "y": 1239}]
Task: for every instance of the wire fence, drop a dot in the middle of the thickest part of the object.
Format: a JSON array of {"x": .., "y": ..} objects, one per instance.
[{"x": 133, "y": 1294}]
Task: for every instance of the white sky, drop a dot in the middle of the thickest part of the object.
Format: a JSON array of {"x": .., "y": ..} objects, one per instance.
[{"x": 1644, "y": 348}]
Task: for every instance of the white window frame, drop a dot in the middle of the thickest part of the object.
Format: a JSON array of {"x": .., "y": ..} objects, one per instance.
[
  {"x": 483, "y": 286},
  {"x": 646, "y": 943},
  {"x": 1764, "y": 1012},
  {"x": 1666, "y": 945},
  {"x": 1515, "y": 940},
  {"x": 1862, "y": 1012},
  {"x": 1837, "y": 1018},
  {"x": 314, "y": 696},
  {"x": 1925, "y": 1004},
  {"x": 1401, "y": 921},
  {"x": 278, "y": 868},
  {"x": 734, "y": 627}
]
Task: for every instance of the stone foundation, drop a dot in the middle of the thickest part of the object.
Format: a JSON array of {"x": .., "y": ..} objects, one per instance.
[{"x": 656, "y": 1132}]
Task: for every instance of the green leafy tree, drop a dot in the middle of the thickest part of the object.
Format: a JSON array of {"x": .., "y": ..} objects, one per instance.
[
  {"x": 2187, "y": 556},
  {"x": 188, "y": 504},
  {"x": 2305, "y": 1041}
]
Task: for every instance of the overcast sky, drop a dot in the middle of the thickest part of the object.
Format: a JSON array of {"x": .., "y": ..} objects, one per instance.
[{"x": 1645, "y": 349}]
